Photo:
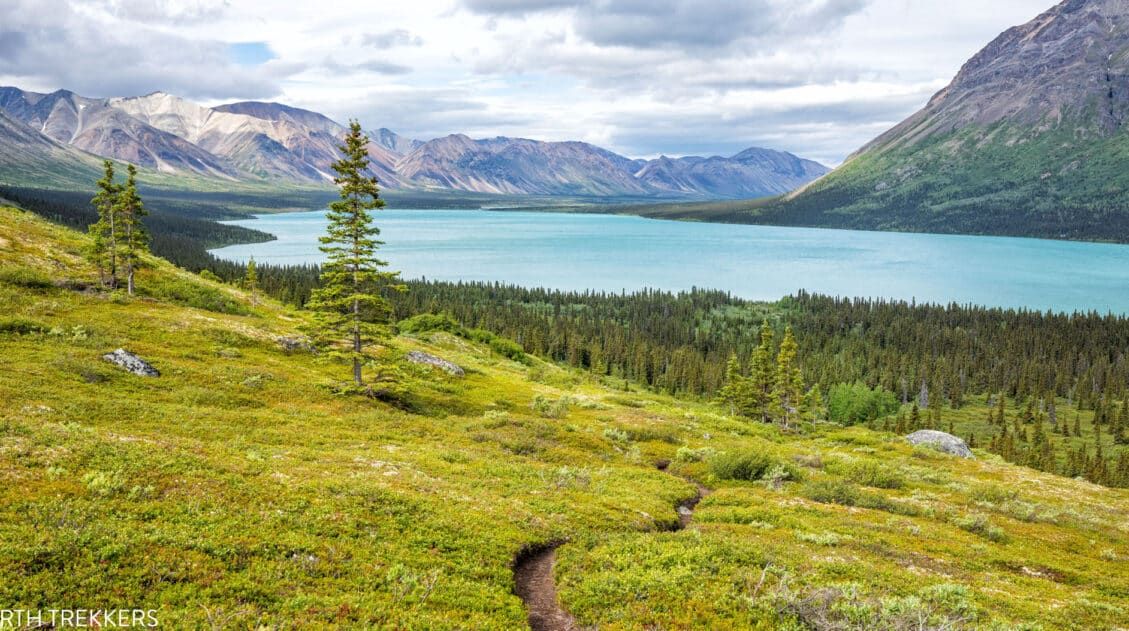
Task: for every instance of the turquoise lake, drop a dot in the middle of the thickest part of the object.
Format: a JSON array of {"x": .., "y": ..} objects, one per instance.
[{"x": 621, "y": 253}]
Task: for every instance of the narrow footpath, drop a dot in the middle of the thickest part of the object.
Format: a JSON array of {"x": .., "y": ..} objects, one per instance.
[{"x": 535, "y": 584}]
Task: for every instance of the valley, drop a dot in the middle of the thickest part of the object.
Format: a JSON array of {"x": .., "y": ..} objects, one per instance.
[{"x": 567, "y": 334}]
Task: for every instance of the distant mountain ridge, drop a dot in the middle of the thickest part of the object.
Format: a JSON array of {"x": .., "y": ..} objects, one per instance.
[
  {"x": 273, "y": 142},
  {"x": 752, "y": 173}
]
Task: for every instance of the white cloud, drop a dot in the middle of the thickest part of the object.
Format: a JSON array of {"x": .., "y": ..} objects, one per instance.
[{"x": 642, "y": 77}]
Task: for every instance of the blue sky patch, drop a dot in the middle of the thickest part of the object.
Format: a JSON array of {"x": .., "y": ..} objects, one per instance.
[{"x": 250, "y": 53}]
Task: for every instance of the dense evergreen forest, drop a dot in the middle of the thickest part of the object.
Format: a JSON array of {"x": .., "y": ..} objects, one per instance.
[{"x": 680, "y": 343}]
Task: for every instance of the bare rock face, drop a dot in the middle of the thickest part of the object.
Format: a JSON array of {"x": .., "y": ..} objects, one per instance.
[
  {"x": 134, "y": 364},
  {"x": 1067, "y": 64},
  {"x": 946, "y": 443},
  {"x": 419, "y": 357}
]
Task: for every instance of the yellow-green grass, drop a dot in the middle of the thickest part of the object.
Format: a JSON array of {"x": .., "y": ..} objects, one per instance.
[{"x": 240, "y": 490}]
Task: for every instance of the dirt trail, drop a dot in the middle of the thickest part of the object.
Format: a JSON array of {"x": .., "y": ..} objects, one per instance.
[{"x": 535, "y": 585}]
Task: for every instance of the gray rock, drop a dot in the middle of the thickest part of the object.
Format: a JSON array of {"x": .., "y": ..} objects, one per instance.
[
  {"x": 131, "y": 362},
  {"x": 419, "y": 357},
  {"x": 940, "y": 441},
  {"x": 291, "y": 344}
]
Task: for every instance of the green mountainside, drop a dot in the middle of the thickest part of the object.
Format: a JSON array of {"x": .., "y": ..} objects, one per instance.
[
  {"x": 1029, "y": 139},
  {"x": 242, "y": 489}
]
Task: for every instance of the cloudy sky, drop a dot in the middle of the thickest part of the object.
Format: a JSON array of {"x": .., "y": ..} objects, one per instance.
[{"x": 641, "y": 77}]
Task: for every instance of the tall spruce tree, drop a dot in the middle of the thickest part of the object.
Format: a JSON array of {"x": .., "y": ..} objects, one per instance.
[
  {"x": 134, "y": 238},
  {"x": 105, "y": 232},
  {"x": 788, "y": 393},
  {"x": 350, "y": 305}
]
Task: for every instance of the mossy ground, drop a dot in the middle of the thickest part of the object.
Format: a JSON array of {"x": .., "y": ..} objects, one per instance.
[{"x": 239, "y": 490}]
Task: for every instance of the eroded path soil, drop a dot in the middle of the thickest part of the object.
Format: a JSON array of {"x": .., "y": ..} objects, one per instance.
[{"x": 535, "y": 585}]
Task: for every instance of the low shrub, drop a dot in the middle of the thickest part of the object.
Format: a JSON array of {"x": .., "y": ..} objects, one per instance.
[
  {"x": 550, "y": 408},
  {"x": 21, "y": 326},
  {"x": 748, "y": 466},
  {"x": 617, "y": 435},
  {"x": 429, "y": 322},
  {"x": 872, "y": 474},
  {"x": 978, "y": 524},
  {"x": 508, "y": 348},
  {"x": 647, "y": 434},
  {"x": 195, "y": 295},
  {"x": 25, "y": 277},
  {"x": 833, "y": 492},
  {"x": 686, "y": 454},
  {"x": 993, "y": 494},
  {"x": 847, "y": 493}
]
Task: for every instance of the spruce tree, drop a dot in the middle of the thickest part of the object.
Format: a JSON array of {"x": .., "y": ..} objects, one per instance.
[
  {"x": 788, "y": 393},
  {"x": 735, "y": 391},
  {"x": 350, "y": 305},
  {"x": 134, "y": 238},
  {"x": 251, "y": 281},
  {"x": 105, "y": 231},
  {"x": 762, "y": 377}
]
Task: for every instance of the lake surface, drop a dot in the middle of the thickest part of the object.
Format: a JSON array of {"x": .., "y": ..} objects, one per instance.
[{"x": 621, "y": 253}]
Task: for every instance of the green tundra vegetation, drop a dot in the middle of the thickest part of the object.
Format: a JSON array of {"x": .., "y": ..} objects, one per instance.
[{"x": 245, "y": 488}]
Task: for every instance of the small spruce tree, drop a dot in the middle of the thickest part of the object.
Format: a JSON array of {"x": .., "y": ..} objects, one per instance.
[
  {"x": 762, "y": 376},
  {"x": 251, "y": 281},
  {"x": 134, "y": 237},
  {"x": 735, "y": 391},
  {"x": 105, "y": 232}
]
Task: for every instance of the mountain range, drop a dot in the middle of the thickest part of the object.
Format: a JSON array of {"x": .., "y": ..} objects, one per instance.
[
  {"x": 271, "y": 142},
  {"x": 1030, "y": 138}
]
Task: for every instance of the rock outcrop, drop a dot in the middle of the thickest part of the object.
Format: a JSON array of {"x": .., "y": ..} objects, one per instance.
[
  {"x": 420, "y": 357},
  {"x": 940, "y": 441},
  {"x": 134, "y": 364}
]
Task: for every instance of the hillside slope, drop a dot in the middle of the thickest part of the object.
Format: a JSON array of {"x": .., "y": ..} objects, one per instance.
[{"x": 240, "y": 489}]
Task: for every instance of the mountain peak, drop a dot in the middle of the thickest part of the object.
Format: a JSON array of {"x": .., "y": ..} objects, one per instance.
[{"x": 1027, "y": 139}]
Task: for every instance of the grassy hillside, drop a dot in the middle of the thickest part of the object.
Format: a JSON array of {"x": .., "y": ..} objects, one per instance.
[{"x": 240, "y": 490}]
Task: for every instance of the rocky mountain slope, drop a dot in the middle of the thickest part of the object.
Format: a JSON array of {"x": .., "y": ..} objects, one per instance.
[
  {"x": 520, "y": 166},
  {"x": 99, "y": 128},
  {"x": 529, "y": 167},
  {"x": 1030, "y": 138},
  {"x": 271, "y": 142}
]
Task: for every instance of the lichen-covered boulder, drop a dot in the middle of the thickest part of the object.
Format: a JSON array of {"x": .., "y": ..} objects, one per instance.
[
  {"x": 131, "y": 362},
  {"x": 291, "y": 344},
  {"x": 420, "y": 357},
  {"x": 940, "y": 441}
]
